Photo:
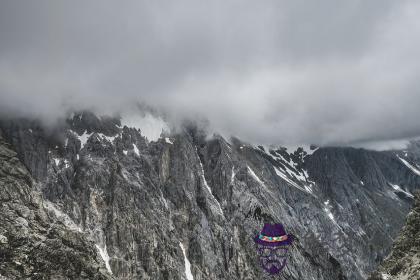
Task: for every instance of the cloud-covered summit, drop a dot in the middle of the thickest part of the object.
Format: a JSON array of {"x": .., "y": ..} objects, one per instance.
[{"x": 329, "y": 72}]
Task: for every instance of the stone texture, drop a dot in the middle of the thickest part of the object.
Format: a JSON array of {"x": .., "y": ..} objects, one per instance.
[
  {"x": 213, "y": 196},
  {"x": 404, "y": 261},
  {"x": 34, "y": 243}
]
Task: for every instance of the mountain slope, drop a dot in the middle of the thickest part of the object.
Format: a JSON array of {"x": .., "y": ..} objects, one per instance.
[
  {"x": 404, "y": 261},
  {"x": 36, "y": 240},
  {"x": 150, "y": 206}
]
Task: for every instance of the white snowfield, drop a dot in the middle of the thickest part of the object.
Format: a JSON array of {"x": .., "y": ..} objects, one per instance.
[
  {"x": 292, "y": 177},
  {"x": 84, "y": 138}
]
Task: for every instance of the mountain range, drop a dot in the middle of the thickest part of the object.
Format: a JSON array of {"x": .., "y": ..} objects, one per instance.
[{"x": 99, "y": 198}]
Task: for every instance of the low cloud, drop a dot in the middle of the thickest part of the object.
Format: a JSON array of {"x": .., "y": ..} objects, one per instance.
[{"x": 286, "y": 72}]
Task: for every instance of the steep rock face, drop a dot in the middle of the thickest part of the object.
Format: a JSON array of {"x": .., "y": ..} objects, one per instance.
[
  {"x": 404, "y": 261},
  {"x": 37, "y": 241},
  {"x": 357, "y": 189},
  {"x": 150, "y": 206}
]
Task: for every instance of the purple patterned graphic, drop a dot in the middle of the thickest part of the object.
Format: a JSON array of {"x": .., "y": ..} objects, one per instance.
[{"x": 272, "y": 245}]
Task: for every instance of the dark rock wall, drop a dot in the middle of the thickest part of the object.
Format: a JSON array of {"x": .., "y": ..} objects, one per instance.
[
  {"x": 138, "y": 200},
  {"x": 404, "y": 260},
  {"x": 36, "y": 240}
]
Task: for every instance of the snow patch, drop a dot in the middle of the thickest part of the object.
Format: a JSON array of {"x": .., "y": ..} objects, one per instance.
[
  {"x": 399, "y": 189},
  {"x": 291, "y": 170},
  {"x": 331, "y": 216},
  {"x": 107, "y": 138},
  {"x": 406, "y": 163},
  {"x": 167, "y": 140},
  {"x": 360, "y": 232},
  {"x": 57, "y": 161},
  {"x": 187, "y": 263},
  {"x": 84, "y": 138},
  {"x": 125, "y": 152},
  {"x": 327, "y": 210},
  {"x": 385, "y": 276},
  {"x": 104, "y": 255},
  {"x": 233, "y": 175},
  {"x": 362, "y": 183},
  {"x": 290, "y": 182},
  {"x": 136, "y": 150}
]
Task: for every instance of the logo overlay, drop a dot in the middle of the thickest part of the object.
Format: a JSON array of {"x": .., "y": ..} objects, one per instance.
[{"x": 272, "y": 246}]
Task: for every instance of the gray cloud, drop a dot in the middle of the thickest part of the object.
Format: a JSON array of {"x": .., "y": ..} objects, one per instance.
[{"x": 329, "y": 72}]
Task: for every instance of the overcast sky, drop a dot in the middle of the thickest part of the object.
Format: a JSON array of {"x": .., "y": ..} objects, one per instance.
[{"x": 324, "y": 72}]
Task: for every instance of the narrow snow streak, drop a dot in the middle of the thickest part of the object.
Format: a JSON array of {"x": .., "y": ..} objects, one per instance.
[
  {"x": 207, "y": 185},
  {"x": 330, "y": 215},
  {"x": 399, "y": 189},
  {"x": 187, "y": 264},
  {"x": 291, "y": 170},
  {"x": 104, "y": 254},
  {"x": 406, "y": 163},
  {"x": 252, "y": 173},
  {"x": 290, "y": 182},
  {"x": 136, "y": 150},
  {"x": 233, "y": 175}
]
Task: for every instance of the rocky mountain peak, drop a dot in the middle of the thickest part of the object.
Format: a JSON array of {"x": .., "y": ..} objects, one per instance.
[{"x": 188, "y": 204}]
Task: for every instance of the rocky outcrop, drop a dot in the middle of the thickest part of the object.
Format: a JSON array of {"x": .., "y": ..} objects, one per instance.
[
  {"x": 153, "y": 207},
  {"x": 404, "y": 261},
  {"x": 37, "y": 241}
]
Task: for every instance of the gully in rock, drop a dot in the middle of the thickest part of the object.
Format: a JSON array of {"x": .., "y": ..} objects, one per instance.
[{"x": 272, "y": 247}]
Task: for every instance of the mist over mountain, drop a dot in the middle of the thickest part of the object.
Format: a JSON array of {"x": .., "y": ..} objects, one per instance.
[
  {"x": 286, "y": 72},
  {"x": 217, "y": 140}
]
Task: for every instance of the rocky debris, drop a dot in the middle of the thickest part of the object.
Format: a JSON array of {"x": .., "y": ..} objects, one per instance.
[
  {"x": 139, "y": 200},
  {"x": 404, "y": 261},
  {"x": 34, "y": 244}
]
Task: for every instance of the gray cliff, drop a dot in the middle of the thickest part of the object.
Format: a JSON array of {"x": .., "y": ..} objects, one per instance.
[
  {"x": 404, "y": 261},
  {"x": 149, "y": 207}
]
